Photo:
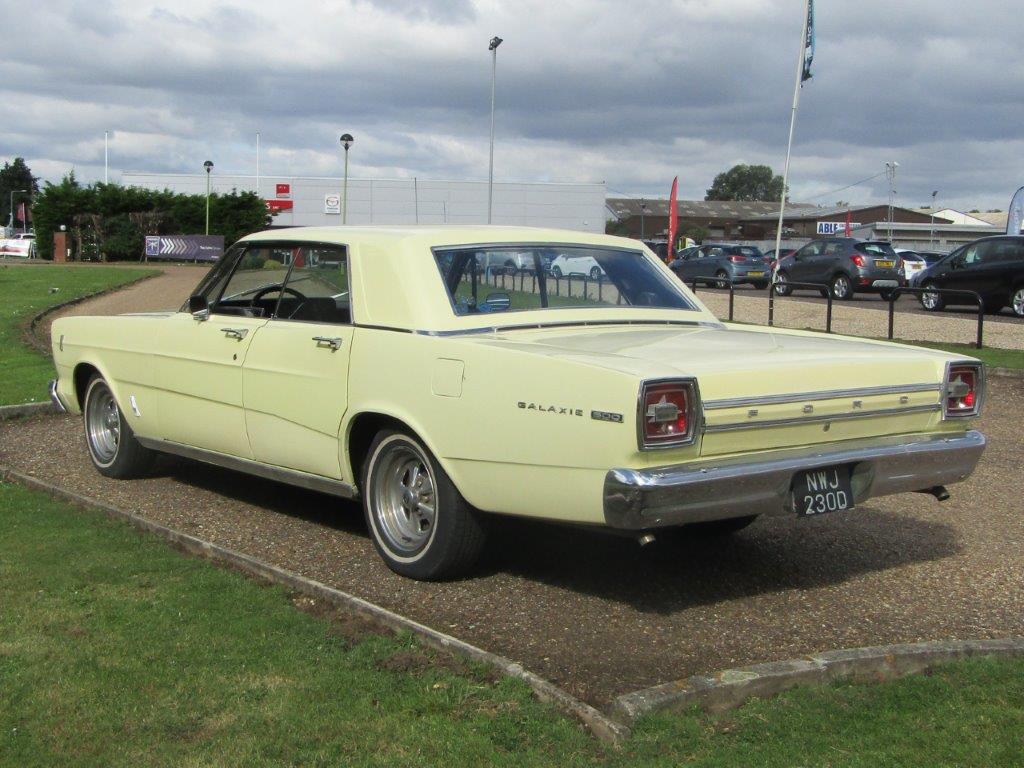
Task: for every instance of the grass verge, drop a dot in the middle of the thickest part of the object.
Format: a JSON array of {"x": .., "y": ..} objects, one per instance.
[
  {"x": 117, "y": 650},
  {"x": 28, "y": 290},
  {"x": 993, "y": 357}
]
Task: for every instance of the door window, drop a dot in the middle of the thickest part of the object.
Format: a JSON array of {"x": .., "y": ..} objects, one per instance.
[
  {"x": 254, "y": 286},
  {"x": 316, "y": 289},
  {"x": 972, "y": 255}
]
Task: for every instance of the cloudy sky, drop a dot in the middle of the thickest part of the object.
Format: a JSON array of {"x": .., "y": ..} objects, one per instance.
[{"x": 629, "y": 93}]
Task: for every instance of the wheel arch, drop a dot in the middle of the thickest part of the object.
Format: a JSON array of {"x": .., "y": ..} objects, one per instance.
[{"x": 83, "y": 371}]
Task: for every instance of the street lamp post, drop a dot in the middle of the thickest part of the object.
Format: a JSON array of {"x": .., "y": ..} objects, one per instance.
[
  {"x": 493, "y": 48},
  {"x": 643, "y": 212},
  {"x": 346, "y": 141},
  {"x": 13, "y": 193},
  {"x": 931, "y": 234},
  {"x": 106, "y": 157},
  {"x": 208, "y": 165},
  {"x": 890, "y": 172}
]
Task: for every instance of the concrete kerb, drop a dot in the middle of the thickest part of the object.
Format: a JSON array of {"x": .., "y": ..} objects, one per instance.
[
  {"x": 731, "y": 688},
  {"x": 26, "y": 409},
  {"x": 603, "y": 727}
]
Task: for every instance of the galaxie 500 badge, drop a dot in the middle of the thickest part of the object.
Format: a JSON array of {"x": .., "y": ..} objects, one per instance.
[{"x": 564, "y": 410}]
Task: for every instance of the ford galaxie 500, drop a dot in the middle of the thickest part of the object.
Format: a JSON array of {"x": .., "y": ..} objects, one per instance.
[{"x": 390, "y": 364}]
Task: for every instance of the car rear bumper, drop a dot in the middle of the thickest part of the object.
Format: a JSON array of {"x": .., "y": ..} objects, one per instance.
[{"x": 639, "y": 499}]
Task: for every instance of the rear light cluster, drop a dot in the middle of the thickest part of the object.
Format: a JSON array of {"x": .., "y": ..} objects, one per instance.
[
  {"x": 857, "y": 259},
  {"x": 668, "y": 413},
  {"x": 964, "y": 389},
  {"x": 737, "y": 258}
]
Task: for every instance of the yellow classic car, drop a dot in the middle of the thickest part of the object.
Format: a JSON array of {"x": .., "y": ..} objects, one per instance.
[{"x": 412, "y": 368}]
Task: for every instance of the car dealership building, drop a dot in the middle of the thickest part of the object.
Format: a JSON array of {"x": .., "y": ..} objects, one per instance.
[{"x": 304, "y": 201}]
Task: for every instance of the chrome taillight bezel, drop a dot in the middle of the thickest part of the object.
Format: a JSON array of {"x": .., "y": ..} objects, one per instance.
[
  {"x": 979, "y": 389},
  {"x": 695, "y": 414}
]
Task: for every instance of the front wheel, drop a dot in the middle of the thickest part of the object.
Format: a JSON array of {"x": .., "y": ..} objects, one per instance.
[
  {"x": 595, "y": 273},
  {"x": 112, "y": 445},
  {"x": 556, "y": 272},
  {"x": 842, "y": 288},
  {"x": 933, "y": 302},
  {"x": 782, "y": 284},
  {"x": 1017, "y": 301},
  {"x": 721, "y": 279},
  {"x": 420, "y": 524},
  {"x": 760, "y": 285}
]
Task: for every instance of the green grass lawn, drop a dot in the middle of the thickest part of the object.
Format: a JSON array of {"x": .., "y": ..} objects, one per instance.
[
  {"x": 991, "y": 356},
  {"x": 26, "y": 290},
  {"x": 117, "y": 650}
]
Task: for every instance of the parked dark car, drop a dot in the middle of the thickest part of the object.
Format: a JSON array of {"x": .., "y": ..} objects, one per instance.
[
  {"x": 721, "y": 263},
  {"x": 844, "y": 265},
  {"x": 992, "y": 267}
]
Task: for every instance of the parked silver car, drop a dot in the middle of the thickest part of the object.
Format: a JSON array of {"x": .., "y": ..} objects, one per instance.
[{"x": 719, "y": 264}]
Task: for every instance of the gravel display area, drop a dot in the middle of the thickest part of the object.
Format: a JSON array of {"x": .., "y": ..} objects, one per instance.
[{"x": 600, "y": 615}]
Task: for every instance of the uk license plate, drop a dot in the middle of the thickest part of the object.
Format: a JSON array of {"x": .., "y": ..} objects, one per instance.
[
  {"x": 886, "y": 264},
  {"x": 755, "y": 274},
  {"x": 818, "y": 491}
]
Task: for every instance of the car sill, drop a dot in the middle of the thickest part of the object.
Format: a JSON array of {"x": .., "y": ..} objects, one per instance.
[{"x": 280, "y": 474}]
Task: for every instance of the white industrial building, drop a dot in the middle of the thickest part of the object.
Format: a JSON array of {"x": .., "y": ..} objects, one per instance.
[{"x": 300, "y": 201}]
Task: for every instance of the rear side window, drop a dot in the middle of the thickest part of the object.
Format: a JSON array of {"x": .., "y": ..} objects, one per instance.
[
  {"x": 1005, "y": 251},
  {"x": 877, "y": 249},
  {"x": 747, "y": 251}
]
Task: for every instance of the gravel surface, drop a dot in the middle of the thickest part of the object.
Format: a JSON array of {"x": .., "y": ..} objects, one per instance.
[{"x": 602, "y": 616}]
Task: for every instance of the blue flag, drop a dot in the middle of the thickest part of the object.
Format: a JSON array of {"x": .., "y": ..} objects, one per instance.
[{"x": 808, "y": 43}]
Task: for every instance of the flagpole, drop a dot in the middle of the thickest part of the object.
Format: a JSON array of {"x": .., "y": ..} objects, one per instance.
[{"x": 792, "y": 124}]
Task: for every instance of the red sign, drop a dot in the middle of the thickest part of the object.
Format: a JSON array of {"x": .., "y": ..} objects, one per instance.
[
  {"x": 284, "y": 190},
  {"x": 279, "y": 205}
]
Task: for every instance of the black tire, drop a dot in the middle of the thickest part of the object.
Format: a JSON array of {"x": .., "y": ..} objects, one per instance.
[
  {"x": 442, "y": 547},
  {"x": 556, "y": 272},
  {"x": 782, "y": 284},
  {"x": 842, "y": 287},
  {"x": 761, "y": 285},
  {"x": 111, "y": 441},
  {"x": 1017, "y": 301},
  {"x": 595, "y": 273},
  {"x": 931, "y": 302},
  {"x": 721, "y": 279}
]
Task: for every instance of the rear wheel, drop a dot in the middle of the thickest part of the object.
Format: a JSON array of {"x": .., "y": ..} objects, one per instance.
[
  {"x": 420, "y": 524},
  {"x": 595, "y": 273},
  {"x": 782, "y": 284},
  {"x": 112, "y": 445},
  {"x": 761, "y": 284},
  {"x": 1017, "y": 301},
  {"x": 722, "y": 279},
  {"x": 933, "y": 302},
  {"x": 842, "y": 287}
]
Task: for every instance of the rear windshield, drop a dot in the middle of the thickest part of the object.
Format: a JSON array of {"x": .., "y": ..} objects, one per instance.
[
  {"x": 748, "y": 251},
  {"x": 877, "y": 249},
  {"x": 517, "y": 278}
]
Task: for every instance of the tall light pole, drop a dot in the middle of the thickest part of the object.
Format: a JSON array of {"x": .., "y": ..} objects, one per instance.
[
  {"x": 13, "y": 193},
  {"x": 106, "y": 157},
  {"x": 346, "y": 141},
  {"x": 931, "y": 234},
  {"x": 890, "y": 173},
  {"x": 643, "y": 212},
  {"x": 493, "y": 48},
  {"x": 257, "y": 163},
  {"x": 208, "y": 165}
]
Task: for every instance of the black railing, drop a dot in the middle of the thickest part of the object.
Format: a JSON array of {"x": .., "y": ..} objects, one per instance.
[
  {"x": 803, "y": 286},
  {"x": 895, "y": 294}
]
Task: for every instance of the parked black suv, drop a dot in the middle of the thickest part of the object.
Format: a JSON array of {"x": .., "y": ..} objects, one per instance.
[
  {"x": 992, "y": 267},
  {"x": 845, "y": 265}
]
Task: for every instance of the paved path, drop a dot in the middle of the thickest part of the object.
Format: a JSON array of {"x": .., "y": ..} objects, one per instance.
[{"x": 599, "y": 615}]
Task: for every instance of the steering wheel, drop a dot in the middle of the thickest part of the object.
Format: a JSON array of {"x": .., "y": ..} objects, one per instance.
[{"x": 279, "y": 287}]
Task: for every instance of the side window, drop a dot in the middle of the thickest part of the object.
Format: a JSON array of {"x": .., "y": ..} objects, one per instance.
[
  {"x": 212, "y": 285},
  {"x": 1003, "y": 252},
  {"x": 316, "y": 289},
  {"x": 255, "y": 284},
  {"x": 972, "y": 255},
  {"x": 811, "y": 249},
  {"x": 832, "y": 249}
]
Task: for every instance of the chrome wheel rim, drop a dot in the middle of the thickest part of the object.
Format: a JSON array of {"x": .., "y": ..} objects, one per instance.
[
  {"x": 841, "y": 287},
  {"x": 405, "y": 508},
  {"x": 930, "y": 300},
  {"x": 1018, "y": 302},
  {"x": 103, "y": 424},
  {"x": 780, "y": 283}
]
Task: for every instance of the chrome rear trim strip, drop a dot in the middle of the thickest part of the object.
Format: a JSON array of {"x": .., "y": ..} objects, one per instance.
[
  {"x": 734, "y": 426},
  {"x": 280, "y": 474},
  {"x": 831, "y": 394}
]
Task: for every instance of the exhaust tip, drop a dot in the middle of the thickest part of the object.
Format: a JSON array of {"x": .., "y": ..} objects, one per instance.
[
  {"x": 938, "y": 491},
  {"x": 645, "y": 539}
]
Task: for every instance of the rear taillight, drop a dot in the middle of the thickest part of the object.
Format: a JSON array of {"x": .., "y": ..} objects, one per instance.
[
  {"x": 737, "y": 258},
  {"x": 668, "y": 413},
  {"x": 857, "y": 259},
  {"x": 964, "y": 389}
]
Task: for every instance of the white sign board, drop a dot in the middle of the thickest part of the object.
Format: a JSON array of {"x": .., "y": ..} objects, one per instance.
[
  {"x": 835, "y": 227},
  {"x": 332, "y": 203}
]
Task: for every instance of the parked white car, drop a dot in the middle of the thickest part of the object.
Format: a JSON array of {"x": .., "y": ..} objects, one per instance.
[{"x": 576, "y": 265}]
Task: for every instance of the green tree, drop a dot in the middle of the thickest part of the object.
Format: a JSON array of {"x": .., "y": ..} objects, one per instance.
[
  {"x": 16, "y": 176},
  {"x": 746, "y": 182}
]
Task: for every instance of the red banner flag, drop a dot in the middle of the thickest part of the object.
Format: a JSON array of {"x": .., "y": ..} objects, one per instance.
[
  {"x": 848, "y": 223},
  {"x": 21, "y": 213},
  {"x": 673, "y": 221}
]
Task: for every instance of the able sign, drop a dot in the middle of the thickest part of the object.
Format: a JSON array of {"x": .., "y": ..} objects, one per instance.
[{"x": 835, "y": 227}]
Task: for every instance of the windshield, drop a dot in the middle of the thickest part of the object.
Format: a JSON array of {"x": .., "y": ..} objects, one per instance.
[
  {"x": 877, "y": 249},
  {"x": 518, "y": 278},
  {"x": 747, "y": 251}
]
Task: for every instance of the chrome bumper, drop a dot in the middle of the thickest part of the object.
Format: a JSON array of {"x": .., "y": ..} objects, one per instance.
[
  {"x": 637, "y": 499},
  {"x": 56, "y": 397}
]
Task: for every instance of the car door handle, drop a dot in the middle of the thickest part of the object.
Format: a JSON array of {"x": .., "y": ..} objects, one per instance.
[
  {"x": 334, "y": 342},
  {"x": 235, "y": 333}
]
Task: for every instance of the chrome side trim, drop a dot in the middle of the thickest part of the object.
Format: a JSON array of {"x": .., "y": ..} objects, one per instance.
[
  {"x": 830, "y": 394},
  {"x": 568, "y": 324},
  {"x": 250, "y": 467},
  {"x": 55, "y": 397},
  {"x": 738, "y": 425},
  {"x": 760, "y": 484}
]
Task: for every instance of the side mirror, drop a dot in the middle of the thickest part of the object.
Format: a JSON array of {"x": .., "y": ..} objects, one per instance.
[
  {"x": 496, "y": 302},
  {"x": 956, "y": 263},
  {"x": 199, "y": 307}
]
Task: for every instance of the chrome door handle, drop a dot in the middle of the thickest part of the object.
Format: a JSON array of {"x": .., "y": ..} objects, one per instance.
[
  {"x": 235, "y": 333},
  {"x": 334, "y": 342}
]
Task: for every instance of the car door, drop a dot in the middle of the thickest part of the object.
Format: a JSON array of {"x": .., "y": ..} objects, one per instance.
[
  {"x": 199, "y": 365},
  {"x": 295, "y": 376},
  {"x": 965, "y": 271},
  {"x": 803, "y": 266}
]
